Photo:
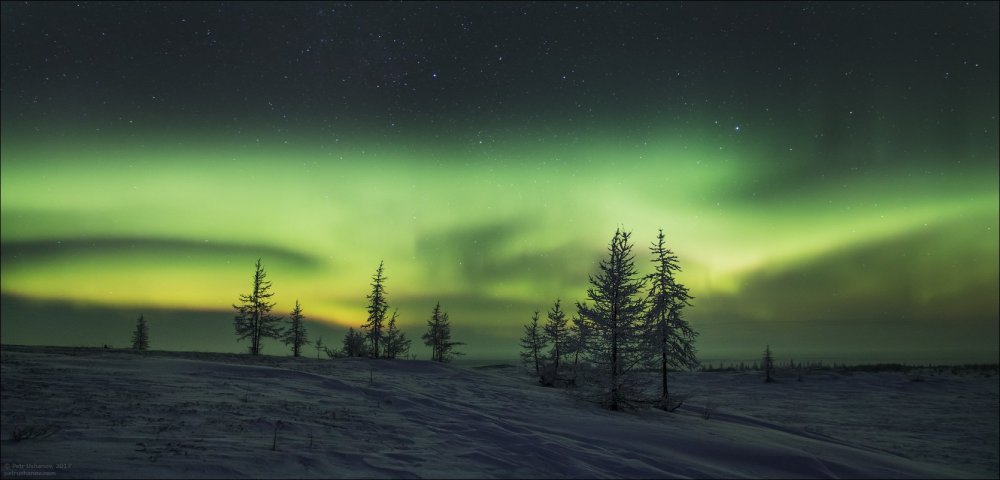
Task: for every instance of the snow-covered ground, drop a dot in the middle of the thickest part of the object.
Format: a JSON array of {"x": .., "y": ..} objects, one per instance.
[{"x": 164, "y": 414}]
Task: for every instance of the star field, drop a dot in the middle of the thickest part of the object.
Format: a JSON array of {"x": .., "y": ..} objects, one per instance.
[{"x": 826, "y": 172}]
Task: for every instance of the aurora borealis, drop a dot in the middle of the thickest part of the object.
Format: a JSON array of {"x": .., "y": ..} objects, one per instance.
[{"x": 827, "y": 173}]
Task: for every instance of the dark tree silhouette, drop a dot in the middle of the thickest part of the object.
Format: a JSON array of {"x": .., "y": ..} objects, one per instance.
[
  {"x": 319, "y": 346},
  {"x": 396, "y": 343},
  {"x": 253, "y": 318},
  {"x": 295, "y": 334},
  {"x": 615, "y": 322},
  {"x": 768, "y": 365},
  {"x": 580, "y": 336},
  {"x": 377, "y": 308},
  {"x": 354, "y": 344},
  {"x": 671, "y": 336},
  {"x": 140, "y": 337},
  {"x": 438, "y": 336},
  {"x": 557, "y": 332},
  {"x": 532, "y": 342}
]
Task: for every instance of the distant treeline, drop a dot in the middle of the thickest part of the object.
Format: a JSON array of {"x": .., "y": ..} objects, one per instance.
[{"x": 845, "y": 368}]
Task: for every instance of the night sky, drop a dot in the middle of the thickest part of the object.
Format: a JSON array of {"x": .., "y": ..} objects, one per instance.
[{"x": 827, "y": 173}]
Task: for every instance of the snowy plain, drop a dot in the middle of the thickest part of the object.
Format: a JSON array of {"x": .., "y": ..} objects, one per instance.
[{"x": 204, "y": 415}]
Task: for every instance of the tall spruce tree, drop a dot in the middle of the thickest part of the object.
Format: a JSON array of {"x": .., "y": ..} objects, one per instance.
[
  {"x": 140, "y": 337},
  {"x": 438, "y": 336},
  {"x": 253, "y": 315},
  {"x": 670, "y": 335},
  {"x": 557, "y": 333},
  {"x": 295, "y": 334},
  {"x": 615, "y": 320},
  {"x": 377, "y": 308},
  {"x": 532, "y": 342},
  {"x": 396, "y": 343}
]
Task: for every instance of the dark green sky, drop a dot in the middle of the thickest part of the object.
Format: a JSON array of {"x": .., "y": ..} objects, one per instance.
[{"x": 826, "y": 172}]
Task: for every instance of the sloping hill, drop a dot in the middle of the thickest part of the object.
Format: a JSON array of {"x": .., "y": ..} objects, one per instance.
[{"x": 121, "y": 414}]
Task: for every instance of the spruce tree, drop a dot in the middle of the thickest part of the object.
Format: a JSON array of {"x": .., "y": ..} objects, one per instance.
[
  {"x": 396, "y": 343},
  {"x": 295, "y": 334},
  {"x": 580, "y": 336},
  {"x": 253, "y": 315},
  {"x": 438, "y": 336},
  {"x": 557, "y": 332},
  {"x": 140, "y": 337},
  {"x": 768, "y": 364},
  {"x": 319, "y": 346},
  {"x": 671, "y": 336},
  {"x": 615, "y": 320},
  {"x": 377, "y": 308},
  {"x": 354, "y": 344},
  {"x": 532, "y": 342}
]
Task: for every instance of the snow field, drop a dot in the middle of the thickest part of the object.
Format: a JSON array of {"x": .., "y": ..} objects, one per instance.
[{"x": 165, "y": 414}]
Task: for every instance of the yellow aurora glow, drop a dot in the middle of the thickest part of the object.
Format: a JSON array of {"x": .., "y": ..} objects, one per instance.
[{"x": 179, "y": 228}]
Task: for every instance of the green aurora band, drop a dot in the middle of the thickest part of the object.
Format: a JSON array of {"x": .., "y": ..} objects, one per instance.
[
  {"x": 827, "y": 172},
  {"x": 853, "y": 266}
]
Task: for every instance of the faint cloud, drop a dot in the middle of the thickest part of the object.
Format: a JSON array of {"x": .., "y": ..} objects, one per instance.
[{"x": 32, "y": 252}]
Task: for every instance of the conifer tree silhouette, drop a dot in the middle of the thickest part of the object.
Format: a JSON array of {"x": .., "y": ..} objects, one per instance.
[
  {"x": 438, "y": 336},
  {"x": 670, "y": 335},
  {"x": 354, "y": 344},
  {"x": 615, "y": 321},
  {"x": 253, "y": 315},
  {"x": 319, "y": 346},
  {"x": 377, "y": 308},
  {"x": 768, "y": 364},
  {"x": 532, "y": 342},
  {"x": 295, "y": 334},
  {"x": 140, "y": 337},
  {"x": 396, "y": 343},
  {"x": 557, "y": 332}
]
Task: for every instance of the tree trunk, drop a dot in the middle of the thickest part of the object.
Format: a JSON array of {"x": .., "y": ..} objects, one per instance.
[
  {"x": 535, "y": 352},
  {"x": 614, "y": 353},
  {"x": 557, "y": 358},
  {"x": 576, "y": 361},
  {"x": 663, "y": 359},
  {"x": 256, "y": 333}
]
